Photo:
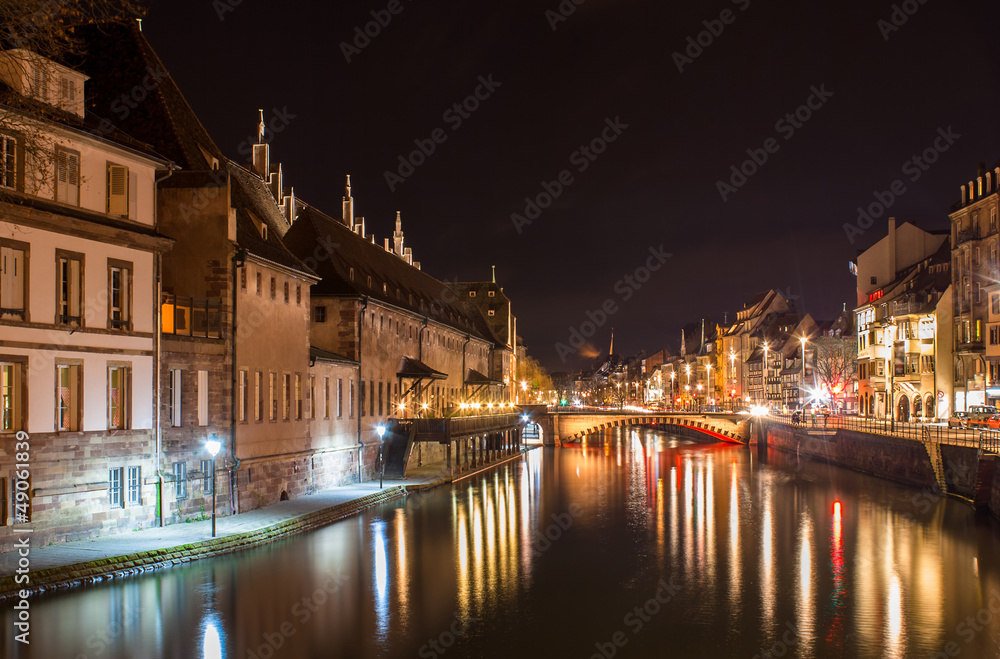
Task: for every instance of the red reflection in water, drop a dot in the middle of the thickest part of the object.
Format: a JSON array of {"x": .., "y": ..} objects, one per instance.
[{"x": 836, "y": 632}]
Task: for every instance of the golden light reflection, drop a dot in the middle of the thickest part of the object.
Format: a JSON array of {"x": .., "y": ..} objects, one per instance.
[
  {"x": 735, "y": 559},
  {"x": 895, "y": 642},
  {"x": 805, "y": 602},
  {"x": 767, "y": 590},
  {"x": 381, "y": 578},
  {"x": 402, "y": 579}
]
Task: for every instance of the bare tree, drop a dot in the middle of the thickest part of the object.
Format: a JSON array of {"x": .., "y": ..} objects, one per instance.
[{"x": 835, "y": 362}]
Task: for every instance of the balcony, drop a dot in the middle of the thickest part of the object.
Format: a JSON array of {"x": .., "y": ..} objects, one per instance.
[
  {"x": 190, "y": 316},
  {"x": 964, "y": 236}
]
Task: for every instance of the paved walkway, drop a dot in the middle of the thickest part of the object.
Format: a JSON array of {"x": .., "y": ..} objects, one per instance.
[{"x": 176, "y": 535}]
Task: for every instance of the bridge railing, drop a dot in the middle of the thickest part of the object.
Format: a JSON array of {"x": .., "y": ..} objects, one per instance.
[{"x": 917, "y": 431}]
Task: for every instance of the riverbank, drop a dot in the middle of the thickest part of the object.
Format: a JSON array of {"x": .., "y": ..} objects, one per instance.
[{"x": 72, "y": 564}]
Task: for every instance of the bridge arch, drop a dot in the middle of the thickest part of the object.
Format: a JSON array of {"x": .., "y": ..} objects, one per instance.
[{"x": 729, "y": 431}]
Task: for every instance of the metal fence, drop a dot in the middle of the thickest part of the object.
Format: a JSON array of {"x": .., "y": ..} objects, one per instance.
[{"x": 979, "y": 437}]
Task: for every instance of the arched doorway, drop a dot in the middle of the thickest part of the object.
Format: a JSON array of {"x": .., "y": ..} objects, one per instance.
[
  {"x": 532, "y": 434},
  {"x": 917, "y": 407},
  {"x": 929, "y": 406},
  {"x": 903, "y": 410}
]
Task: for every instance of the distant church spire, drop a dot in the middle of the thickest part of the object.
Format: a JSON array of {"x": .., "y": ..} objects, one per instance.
[
  {"x": 260, "y": 127},
  {"x": 612, "y": 351},
  {"x": 683, "y": 348},
  {"x": 494, "y": 273}
]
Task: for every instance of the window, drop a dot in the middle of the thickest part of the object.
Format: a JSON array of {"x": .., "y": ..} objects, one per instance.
[
  {"x": 371, "y": 398},
  {"x": 13, "y": 279},
  {"x": 181, "y": 479},
  {"x": 118, "y": 185},
  {"x": 70, "y": 280},
  {"x": 880, "y": 368},
  {"x": 312, "y": 397},
  {"x": 260, "y": 287},
  {"x": 993, "y": 219},
  {"x": 119, "y": 294},
  {"x": 340, "y": 400},
  {"x": 67, "y": 397},
  {"x": 243, "y": 278},
  {"x": 273, "y": 396},
  {"x": 362, "y": 398},
  {"x": 115, "y": 488},
  {"x": 118, "y": 397},
  {"x": 492, "y": 313},
  {"x": 380, "y": 399},
  {"x": 286, "y": 292},
  {"x": 174, "y": 397},
  {"x": 286, "y": 393},
  {"x": 207, "y": 477},
  {"x": 244, "y": 395},
  {"x": 492, "y": 293},
  {"x": 995, "y": 304},
  {"x": 298, "y": 396},
  {"x": 274, "y": 288},
  {"x": 11, "y": 395},
  {"x": 258, "y": 396},
  {"x": 134, "y": 486},
  {"x": 10, "y": 155},
  {"x": 202, "y": 398},
  {"x": 298, "y": 293},
  {"x": 350, "y": 409},
  {"x": 67, "y": 176},
  {"x": 319, "y": 314},
  {"x": 874, "y": 280},
  {"x": 472, "y": 294}
]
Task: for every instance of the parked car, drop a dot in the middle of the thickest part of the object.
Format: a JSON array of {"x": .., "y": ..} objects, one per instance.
[
  {"x": 958, "y": 420},
  {"x": 979, "y": 415},
  {"x": 993, "y": 423}
]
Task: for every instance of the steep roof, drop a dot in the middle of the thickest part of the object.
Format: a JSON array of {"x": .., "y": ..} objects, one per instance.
[
  {"x": 123, "y": 67},
  {"x": 254, "y": 205},
  {"x": 337, "y": 250}
]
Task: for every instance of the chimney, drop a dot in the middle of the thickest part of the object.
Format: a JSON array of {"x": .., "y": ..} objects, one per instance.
[
  {"x": 892, "y": 248},
  {"x": 963, "y": 195},
  {"x": 347, "y": 212},
  {"x": 387, "y": 245},
  {"x": 261, "y": 160}
]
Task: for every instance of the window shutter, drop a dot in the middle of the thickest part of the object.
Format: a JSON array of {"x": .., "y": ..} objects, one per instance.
[
  {"x": 133, "y": 197},
  {"x": 11, "y": 278},
  {"x": 117, "y": 189},
  {"x": 74, "y": 288},
  {"x": 202, "y": 398}
]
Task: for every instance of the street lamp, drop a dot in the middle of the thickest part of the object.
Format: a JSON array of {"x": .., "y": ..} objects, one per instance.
[
  {"x": 708, "y": 379},
  {"x": 380, "y": 429},
  {"x": 802, "y": 381},
  {"x": 672, "y": 374},
  {"x": 764, "y": 373},
  {"x": 213, "y": 446},
  {"x": 524, "y": 388}
]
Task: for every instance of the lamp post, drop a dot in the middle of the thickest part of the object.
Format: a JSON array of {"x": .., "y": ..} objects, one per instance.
[
  {"x": 698, "y": 397},
  {"x": 708, "y": 380},
  {"x": 764, "y": 373},
  {"x": 802, "y": 380},
  {"x": 380, "y": 429},
  {"x": 213, "y": 446},
  {"x": 524, "y": 389},
  {"x": 672, "y": 396}
]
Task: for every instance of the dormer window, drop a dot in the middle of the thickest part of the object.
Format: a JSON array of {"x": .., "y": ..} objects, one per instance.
[
  {"x": 472, "y": 294},
  {"x": 42, "y": 79},
  {"x": 492, "y": 293}
]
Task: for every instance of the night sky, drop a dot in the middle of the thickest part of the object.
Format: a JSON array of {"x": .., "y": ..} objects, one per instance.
[{"x": 884, "y": 93}]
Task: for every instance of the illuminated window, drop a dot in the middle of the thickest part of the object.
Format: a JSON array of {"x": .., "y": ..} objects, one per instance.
[
  {"x": 67, "y": 397},
  {"x": 118, "y": 397}
]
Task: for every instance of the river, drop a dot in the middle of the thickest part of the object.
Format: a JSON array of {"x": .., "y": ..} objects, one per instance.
[{"x": 641, "y": 545}]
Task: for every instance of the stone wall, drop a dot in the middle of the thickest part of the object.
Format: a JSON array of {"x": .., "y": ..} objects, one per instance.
[{"x": 892, "y": 458}]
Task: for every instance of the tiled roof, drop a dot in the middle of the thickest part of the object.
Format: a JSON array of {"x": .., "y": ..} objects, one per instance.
[
  {"x": 336, "y": 251},
  {"x": 250, "y": 196},
  {"x": 119, "y": 60}
]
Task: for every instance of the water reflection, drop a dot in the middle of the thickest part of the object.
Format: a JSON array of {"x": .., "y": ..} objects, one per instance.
[{"x": 546, "y": 557}]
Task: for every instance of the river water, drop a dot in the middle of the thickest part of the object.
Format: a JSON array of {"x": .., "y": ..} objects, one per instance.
[{"x": 641, "y": 545}]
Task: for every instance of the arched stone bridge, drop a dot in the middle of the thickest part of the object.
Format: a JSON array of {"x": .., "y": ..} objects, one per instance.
[{"x": 565, "y": 427}]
